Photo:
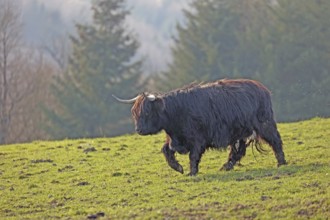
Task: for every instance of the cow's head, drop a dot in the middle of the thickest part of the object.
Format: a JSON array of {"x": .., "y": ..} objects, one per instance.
[{"x": 146, "y": 111}]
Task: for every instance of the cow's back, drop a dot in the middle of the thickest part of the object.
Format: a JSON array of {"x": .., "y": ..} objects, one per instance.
[{"x": 231, "y": 101}]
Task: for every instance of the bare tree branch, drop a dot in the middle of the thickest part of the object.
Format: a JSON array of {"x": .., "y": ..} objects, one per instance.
[{"x": 15, "y": 84}]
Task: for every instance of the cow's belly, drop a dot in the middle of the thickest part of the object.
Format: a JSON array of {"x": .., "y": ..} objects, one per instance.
[{"x": 178, "y": 145}]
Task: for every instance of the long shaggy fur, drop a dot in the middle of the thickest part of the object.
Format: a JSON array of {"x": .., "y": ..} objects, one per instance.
[
  {"x": 215, "y": 114},
  {"x": 222, "y": 112}
]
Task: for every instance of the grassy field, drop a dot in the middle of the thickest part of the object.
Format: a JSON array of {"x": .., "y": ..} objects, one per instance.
[{"x": 127, "y": 177}]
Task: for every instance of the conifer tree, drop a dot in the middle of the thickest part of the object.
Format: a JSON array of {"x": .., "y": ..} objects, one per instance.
[
  {"x": 102, "y": 63},
  {"x": 299, "y": 76},
  {"x": 212, "y": 42},
  {"x": 282, "y": 43}
]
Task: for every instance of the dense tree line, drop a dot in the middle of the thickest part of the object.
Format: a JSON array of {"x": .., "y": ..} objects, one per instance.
[{"x": 282, "y": 43}]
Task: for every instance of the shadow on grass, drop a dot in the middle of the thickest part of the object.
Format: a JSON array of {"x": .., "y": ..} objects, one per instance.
[{"x": 261, "y": 173}]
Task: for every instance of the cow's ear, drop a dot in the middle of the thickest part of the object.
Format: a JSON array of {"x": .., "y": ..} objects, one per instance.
[{"x": 159, "y": 104}]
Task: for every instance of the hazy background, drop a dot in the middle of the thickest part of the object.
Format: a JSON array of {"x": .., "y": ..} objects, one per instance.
[{"x": 153, "y": 21}]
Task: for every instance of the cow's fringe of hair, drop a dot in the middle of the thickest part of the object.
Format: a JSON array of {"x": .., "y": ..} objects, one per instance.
[{"x": 137, "y": 107}]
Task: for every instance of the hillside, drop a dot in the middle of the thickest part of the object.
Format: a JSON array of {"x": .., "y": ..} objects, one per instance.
[{"x": 127, "y": 177}]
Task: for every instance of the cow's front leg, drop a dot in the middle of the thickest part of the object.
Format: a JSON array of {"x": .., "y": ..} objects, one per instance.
[
  {"x": 195, "y": 157},
  {"x": 237, "y": 151},
  {"x": 170, "y": 158}
]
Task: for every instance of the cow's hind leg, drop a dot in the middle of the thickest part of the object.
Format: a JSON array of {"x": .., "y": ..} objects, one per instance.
[
  {"x": 237, "y": 151},
  {"x": 270, "y": 134},
  {"x": 170, "y": 158}
]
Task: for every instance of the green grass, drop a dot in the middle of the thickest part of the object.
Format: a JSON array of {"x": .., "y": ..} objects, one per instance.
[{"x": 127, "y": 177}]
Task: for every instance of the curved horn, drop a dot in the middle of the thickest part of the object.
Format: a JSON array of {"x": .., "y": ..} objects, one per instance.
[{"x": 126, "y": 101}]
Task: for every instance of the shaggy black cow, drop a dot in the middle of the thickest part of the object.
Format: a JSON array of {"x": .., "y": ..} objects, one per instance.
[{"x": 209, "y": 115}]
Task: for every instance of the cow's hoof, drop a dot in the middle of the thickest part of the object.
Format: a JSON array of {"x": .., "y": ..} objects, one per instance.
[
  {"x": 179, "y": 168},
  {"x": 176, "y": 166},
  {"x": 192, "y": 174},
  {"x": 282, "y": 163},
  {"x": 227, "y": 166}
]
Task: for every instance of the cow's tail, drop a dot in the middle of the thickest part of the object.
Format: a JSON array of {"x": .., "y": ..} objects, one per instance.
[{"x": 256, "y": 142}]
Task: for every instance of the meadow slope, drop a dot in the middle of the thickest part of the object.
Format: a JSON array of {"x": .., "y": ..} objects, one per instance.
[{"x": 127, "y": 177}]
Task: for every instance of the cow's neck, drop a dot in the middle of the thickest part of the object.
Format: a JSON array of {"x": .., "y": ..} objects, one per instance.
[{"x": 173, "y": 117}]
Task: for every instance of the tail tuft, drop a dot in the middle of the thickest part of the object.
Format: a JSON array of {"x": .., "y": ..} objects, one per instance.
[{"x": 255, "y": 141}]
